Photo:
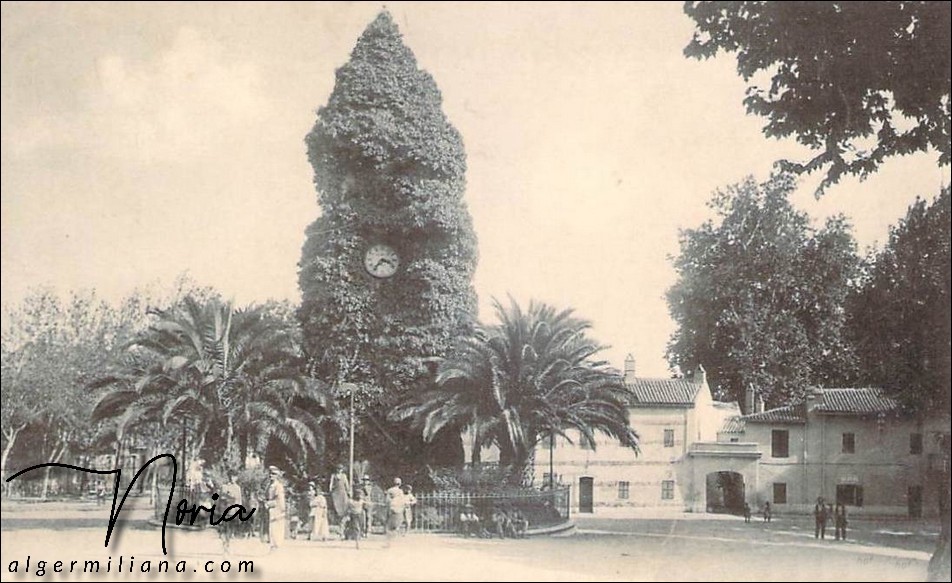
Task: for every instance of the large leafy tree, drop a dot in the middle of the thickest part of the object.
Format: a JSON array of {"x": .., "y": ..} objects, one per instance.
[
  {"x": 52, "y": 347},
  {"x": 900, "y": 316},
  {"x": 901, "y": 324},
  {"x": 760, "y": 297},
  {"x": 534, "y": 374},
  {"x": 858, "y": 82},
  {"x": 389, "y": 170}
]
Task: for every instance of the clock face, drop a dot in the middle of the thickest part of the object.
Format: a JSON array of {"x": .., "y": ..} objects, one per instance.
[{"x": 381, "y": 261}]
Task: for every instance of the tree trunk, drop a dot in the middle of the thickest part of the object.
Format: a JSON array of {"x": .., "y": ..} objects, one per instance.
[
  {"x": 526, "y": 469},
  {"x": 476, "y": 456},
  {"x": 58, "y": 454},
  {"x": 242, "y": 450},
  {"x": 11, "y": 436}
]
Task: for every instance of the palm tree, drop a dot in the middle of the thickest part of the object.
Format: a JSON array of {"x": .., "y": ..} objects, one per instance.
[
  {"x": 529, "y": 376},
  {"x": 235, "y": 375}
]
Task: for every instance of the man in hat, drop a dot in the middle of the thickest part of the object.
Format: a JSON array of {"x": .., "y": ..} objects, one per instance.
[{"x": 277, "y": 508}]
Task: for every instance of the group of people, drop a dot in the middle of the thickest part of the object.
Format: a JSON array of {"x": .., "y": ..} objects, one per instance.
[
  {"x": 355, "y": 506},
  {"x": 501, "y": 523},
  {"x": 766, "y": 512},
  {"x": 823, "y": 513}
]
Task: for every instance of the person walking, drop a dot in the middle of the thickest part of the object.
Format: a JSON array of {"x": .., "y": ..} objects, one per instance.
[
  {"x": 409, "y": 501},
  {"x": 352, "y": 525},
  {"x": 819, "y": 519},
  {"x": 747, "y": 512},
  {"x": 318, "y": 507},
  {"x": 768, "y": 512},
  {"x": 367, "y": 488},
  {"x": 277, "y": 508},
  {"x": 839, "y": 521},
  {"x": 230, "y": 493},
  {"x": 396, "y": 501}
]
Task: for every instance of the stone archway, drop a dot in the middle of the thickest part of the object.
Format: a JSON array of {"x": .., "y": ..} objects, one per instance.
[
  {"x": 720, "y": 477},
  {"x": 726, "y": 492}
]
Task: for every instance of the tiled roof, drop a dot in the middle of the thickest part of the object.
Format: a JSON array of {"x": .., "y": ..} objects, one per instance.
[
  {"x": 854, "y": 401},
  {"x": 663, "y": 391},
  {"x": 733, "y": 425},
  {"x": 788, "y": 414}
]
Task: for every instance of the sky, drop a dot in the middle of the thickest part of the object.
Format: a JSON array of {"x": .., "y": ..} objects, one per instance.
[{"x": 144, "y": 140}]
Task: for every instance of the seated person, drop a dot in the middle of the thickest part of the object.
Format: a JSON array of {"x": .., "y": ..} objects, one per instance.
[
  {"x": 501, "y": 523},
  {"x": 468, "y": 521},
  {"x": 519, "y": 524}
]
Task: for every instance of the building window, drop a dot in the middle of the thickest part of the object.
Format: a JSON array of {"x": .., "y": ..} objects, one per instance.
[
  {"x": 915, "y": 443},
  {"x": 779, "y": 493},
  {"x": 669, "y": 437},
  {"x": 849, "y": 494},
  {"x": 667, "y": 490},
  {"x": 780, "y": 443},
  {"x": 849, "y": 443},
  {"x": 735, "y": 439},
  {"x": 623, "y": 490}
]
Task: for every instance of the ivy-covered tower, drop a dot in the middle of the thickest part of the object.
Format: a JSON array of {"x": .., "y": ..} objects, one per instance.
[{"x": 386, "y": 271}]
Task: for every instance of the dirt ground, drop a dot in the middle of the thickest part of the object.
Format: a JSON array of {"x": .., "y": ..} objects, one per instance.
[{"x": 677, "y": 547}]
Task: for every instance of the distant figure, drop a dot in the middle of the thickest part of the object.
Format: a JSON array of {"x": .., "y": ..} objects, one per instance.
[
  {"x": 229, "y": 493},
  {"x": 746, "y": 512},
  {"x": 768, "y": 512},
  {"x": 340, "y": 492},
  {"x": 409, "y": 501},
  {"x": 819, "y": 518},
  {"x": 367, "y": 487},
  {"x": 501, "y": 523},
  {"x": 468, "y": 521},
  {"x": 318, "y": 510},
  {"x": 396, "y": 502},
  {"x": 354, "y": 519},
  {"x": 520, "y": 524},
  {"x": 839, "y": 521},
  {"x": 277, "y": 508}
]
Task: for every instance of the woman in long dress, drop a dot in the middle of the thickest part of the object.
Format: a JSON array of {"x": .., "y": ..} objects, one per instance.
[
  {"x": 318, "y": 503},
  {"x": 277, "y": 509},
  {"x": 340, "y": 492}
]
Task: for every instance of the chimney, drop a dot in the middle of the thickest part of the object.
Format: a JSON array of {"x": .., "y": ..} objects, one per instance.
[
  {"x": 700, "y": 375},
  {"x": 750, "y": 400},
  {"x": 758, "y": 403},
  {"x": 629, "y": 369}
]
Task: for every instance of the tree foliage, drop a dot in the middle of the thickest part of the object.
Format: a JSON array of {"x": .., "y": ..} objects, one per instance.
[
  {"x": 233, "y": 377},
  {"x": 900, "y": 317},
  {"x": 760, "y": 296},
  {"x": 52, "y": 347},
  {"x": 532, "y": 375},
  {"x": 389, "y": 169},
  {"x": 858, "y": 82}
]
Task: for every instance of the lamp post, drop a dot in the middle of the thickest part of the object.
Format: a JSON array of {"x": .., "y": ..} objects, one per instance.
[{"x": 351, "y": 388}]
